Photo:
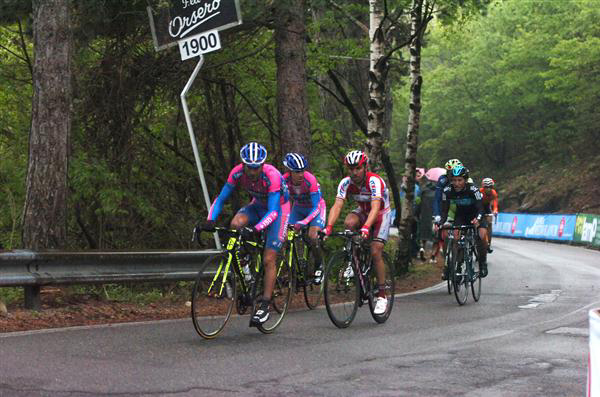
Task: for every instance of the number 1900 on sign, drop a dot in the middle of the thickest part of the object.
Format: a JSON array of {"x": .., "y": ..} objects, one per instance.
[{"x": 199, "y": 44}]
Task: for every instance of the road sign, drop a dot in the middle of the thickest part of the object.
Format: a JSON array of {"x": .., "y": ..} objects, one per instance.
[
  {"x": 199, "y": 44},
  {"x": 177, "y": 20}
]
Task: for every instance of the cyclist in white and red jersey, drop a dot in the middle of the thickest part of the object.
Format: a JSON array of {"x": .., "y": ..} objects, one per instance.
[
  {"x": 308, "y": 206},
  {"x": 372, "y": 217},
  {"x": 269, "y": 211}
]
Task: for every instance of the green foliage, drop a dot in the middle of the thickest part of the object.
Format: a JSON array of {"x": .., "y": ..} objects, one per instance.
[
  {"x": 510, "y": 83},
  {"x": 10, "y": 295},
  {"x": 518, "y": 84}
]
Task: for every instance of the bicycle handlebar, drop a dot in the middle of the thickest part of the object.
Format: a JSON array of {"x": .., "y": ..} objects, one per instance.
[
  {"x": 345, "y": 233},
  {"x": 461, "y": 227}
]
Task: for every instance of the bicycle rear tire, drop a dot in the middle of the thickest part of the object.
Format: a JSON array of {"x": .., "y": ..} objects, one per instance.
[
  {"x": 282, "y": 294},
  {"x": 212, "y": 302},
  {"x": 312, "y": 292},
  {"x": 341, "y": 292},
  {"x": 390, "y": 287}
]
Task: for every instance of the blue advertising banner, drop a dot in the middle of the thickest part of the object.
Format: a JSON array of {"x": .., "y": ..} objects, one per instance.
[{"x": 536, "y": 226}]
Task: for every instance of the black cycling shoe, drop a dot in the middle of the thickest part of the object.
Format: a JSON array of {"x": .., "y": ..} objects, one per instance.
[
  {"x": 483, "y": 271},
  {"x": 490, "y": 250},
  {"x": 261, "y": 315}
]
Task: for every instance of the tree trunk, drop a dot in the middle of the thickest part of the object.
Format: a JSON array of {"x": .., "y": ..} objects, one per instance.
[
  {"x": 45, "y": 211},
  {"x": 410, "y": 162},
  {"x": 377, "y": 73},
  {"x": 290, "y": 56}
]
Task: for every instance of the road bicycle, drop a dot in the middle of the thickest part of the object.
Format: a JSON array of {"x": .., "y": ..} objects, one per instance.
[
  {"x": 350, "y": 281},
  {"x": 463, "y": 266},
  {"x": 235, "y": 277},
  {"x": 301, "y": 257}
]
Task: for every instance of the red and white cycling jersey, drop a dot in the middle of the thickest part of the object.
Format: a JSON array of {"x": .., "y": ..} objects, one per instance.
[{"x": 373, "y": 188}]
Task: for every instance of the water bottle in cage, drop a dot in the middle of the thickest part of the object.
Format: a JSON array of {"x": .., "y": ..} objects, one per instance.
[{"x": 245, "y": 262}]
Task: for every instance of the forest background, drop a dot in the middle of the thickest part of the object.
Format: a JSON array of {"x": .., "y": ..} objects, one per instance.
[{"x": 511, "y": 87}]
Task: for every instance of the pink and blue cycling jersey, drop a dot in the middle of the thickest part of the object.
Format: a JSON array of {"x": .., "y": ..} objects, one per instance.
[
  {"x": 307, "y": 200},
  {"x": 269, "y": 193}
]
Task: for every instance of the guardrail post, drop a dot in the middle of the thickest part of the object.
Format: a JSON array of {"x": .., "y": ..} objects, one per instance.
[{"x": 32, "y": 298}]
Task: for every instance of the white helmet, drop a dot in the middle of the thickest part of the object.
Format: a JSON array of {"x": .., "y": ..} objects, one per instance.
[
  {"x": 487, "y": 182},
  {"x": 356, "y": 158}
]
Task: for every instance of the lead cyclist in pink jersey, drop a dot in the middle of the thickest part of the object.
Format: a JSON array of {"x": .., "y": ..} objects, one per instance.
[
  {"x": 308, "y": 208},
  {"x": 269, "y": 211},
  {"x": 372, "y": 217}
]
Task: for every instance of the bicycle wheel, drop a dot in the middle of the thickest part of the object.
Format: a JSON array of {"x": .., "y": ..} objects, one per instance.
[
  {"x": 341, "y": 291},
  {"x": 282, "y": 294},
  {"x": 390, "y": 287},
  {"x": 475, "y": 279},
  {"x": 460, "y": 281},
  {"x": 213, "y": 296},
  {"x": 312, "y": 291}
]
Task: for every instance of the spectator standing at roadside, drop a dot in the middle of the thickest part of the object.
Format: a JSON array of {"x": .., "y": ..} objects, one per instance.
[{"x": 426, "y": 215}]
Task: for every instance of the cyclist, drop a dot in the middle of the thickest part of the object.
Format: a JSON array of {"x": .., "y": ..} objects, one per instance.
[
  {"x": 490, "y": 206},
  {"x": 469, "y": 210},
  {"x": 268, "y": 211},
  {"x": 443, "y": 181},
  {"x": 372, "y": 217},
  {"x": 308, "y": 207}
]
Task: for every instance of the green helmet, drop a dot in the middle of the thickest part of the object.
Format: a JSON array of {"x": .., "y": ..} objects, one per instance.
[{"x": 450, "y": 164}]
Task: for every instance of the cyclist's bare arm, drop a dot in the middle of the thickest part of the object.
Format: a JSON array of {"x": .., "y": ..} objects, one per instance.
[
  {"x": 335, "y": 211},
  {"x": 375, "y": 206}
]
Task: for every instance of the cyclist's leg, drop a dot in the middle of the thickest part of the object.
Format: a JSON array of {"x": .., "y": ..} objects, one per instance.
[
  {"x": 248, "y": 215},
  {"x": 461, "y": 218},
  {"x": 381, "y": 231},
  {"x": 355, "y": 219},
  {"x": 296, "y": 214},
  {"x": 482, "y": 247},
  {"x": 315, "y": 226},
  {"x": 276, "y": 235}
]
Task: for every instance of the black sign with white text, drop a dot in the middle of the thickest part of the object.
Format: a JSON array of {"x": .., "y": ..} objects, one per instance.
[{"x": 182, "y": 19}]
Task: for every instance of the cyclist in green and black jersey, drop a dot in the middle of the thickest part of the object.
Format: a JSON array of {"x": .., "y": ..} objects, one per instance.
[{"x": 469, "y": 209}]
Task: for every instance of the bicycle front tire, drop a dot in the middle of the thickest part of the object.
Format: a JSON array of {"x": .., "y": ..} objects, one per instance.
[
  {"x": 460, "y": 281},
  {"x": 341, "y": 291},
  {"x": 213, "y": 297}
]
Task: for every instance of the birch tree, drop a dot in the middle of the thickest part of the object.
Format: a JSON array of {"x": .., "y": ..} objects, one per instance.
[{"x": 421, "y": 14}]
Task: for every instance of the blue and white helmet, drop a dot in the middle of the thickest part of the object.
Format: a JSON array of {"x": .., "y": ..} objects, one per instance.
[
  {"x": 253, "y": 154},
  {"x": 295, "y": 162}
]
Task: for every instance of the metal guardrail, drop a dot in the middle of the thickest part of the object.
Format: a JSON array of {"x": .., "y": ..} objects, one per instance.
[{"x": 32, "y": 270}]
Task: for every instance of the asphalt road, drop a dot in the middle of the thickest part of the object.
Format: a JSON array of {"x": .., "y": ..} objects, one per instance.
[{"x": 528, "y": 336}]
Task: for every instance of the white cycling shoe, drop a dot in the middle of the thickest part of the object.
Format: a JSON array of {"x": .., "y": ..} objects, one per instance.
[{"x": 380, "y": 305}]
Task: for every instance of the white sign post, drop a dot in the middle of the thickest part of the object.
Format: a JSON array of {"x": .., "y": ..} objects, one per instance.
[{"x": 194, "y": 25}]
